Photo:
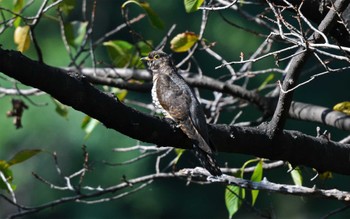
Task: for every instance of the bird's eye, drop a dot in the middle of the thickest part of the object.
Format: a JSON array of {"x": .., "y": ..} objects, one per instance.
[{"x": 156, "y": 56}]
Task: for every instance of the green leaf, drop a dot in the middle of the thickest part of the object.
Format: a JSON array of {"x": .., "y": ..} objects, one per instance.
[
  {"x": 66, "y": 6},
  {"x": 154, "y": 18},
  {"x": 17, "y": 8},
  {"x": 121, "y": 94},
  {"x": 192, "y": 5},
  {"x": 75, "y": 32},
  {"x": 23, "y": 155},
  {"x": 296, "y": 175},
  {"x": 61, "y": 109},
  {"x": 17, "y": 22},
  {"x": 183, "y": 41},
  {"x": 266, "y": 81},
  {"x": 256, "y": 177},
  {"x": 145, "y": 48},
  {"x": 124, "y": 54},
  {"x": 152, "y": 15},
  {"x": 120, "y": 52},
  {"x": 88, "y": 125},
  {"x": 4, "y": 165},
  {"x": 5, "y": 169},
  {"x": 245, "y": 165},
  {"x": 233, "y": 199},
  {"x": 179, "y": 153},
  {"x": 19, "y": 157}
]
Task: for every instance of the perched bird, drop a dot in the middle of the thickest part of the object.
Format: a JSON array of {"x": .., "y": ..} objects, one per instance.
[{"x": 176, "y": 100}]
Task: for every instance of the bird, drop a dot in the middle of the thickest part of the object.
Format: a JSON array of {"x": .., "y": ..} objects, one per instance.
[{"x": 178, "y": 103}]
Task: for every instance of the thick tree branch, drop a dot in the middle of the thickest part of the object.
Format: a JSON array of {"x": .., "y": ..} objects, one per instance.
[
  {"x": 298, "y": 110},
  {"x": 73, "y": 90},
  {"x": 117, "y": 76},
  {"x": 292, "y": 146},
  {"x": 322, "y": 115}
]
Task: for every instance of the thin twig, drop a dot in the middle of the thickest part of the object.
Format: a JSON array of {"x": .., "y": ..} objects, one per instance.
[
  {"x": 197, "y": 175},
  {"x": 212, "y": 8},
  {"x": 8, "y": 186}
]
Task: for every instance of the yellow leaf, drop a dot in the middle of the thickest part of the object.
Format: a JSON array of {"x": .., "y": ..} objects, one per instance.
[
  {"x": 183, "y": 41},
  {"x": 343, "y": 107},
  {"x": 192, "y": 5},
  {"x": 326, "y": 175},
  {"x": 121, "y": 94},
  {"x": 22, "y": 38}
]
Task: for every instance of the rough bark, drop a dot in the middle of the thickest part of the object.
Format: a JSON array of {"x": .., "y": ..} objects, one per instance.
[{"x": 73, "y": 90}]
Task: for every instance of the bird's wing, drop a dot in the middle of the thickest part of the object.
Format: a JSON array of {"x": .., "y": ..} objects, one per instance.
[
  {"x": 173, "y": 98},
  {"x": 176, "y": 97},
  {"x": 195, "y": 109},
  {"x": 198, "y": 119}
]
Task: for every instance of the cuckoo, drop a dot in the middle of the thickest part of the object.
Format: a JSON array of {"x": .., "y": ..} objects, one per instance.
[{"x": 177, "y": 102}]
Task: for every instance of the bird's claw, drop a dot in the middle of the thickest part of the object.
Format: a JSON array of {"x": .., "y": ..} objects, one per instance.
[{"x": 172, "y": 123}]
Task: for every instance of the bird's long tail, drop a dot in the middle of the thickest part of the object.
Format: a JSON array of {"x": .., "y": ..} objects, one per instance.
[
  {"x": 201, "y": 148},
  {"x": 207, "y": 161}
]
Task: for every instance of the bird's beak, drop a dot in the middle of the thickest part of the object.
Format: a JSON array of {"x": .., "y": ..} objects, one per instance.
[{"x": 145, "y": 58}]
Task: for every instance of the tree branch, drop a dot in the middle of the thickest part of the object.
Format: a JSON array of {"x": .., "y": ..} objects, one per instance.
[
  {"x": 73, "y": 90},
  {"x": 298, "y": 110},
  {"x": 316, "y": 10},
  {"x": 295, "y": 66},
  {"x": 198, "y": 175},
  {"x": 322, "y": 115}
]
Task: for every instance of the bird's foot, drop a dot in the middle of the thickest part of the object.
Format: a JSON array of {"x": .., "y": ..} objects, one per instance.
[{"x": 172, "y": 123}]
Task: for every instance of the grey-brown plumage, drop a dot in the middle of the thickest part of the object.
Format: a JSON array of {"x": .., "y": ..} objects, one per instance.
[{"x": 175, "y": 99}]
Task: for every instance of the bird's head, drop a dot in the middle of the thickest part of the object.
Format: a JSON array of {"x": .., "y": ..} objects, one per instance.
[{"x": 157, "y": 59}]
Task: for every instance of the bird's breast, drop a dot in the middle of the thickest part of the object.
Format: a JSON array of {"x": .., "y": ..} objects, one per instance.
[{"x": 155, "y": 99}]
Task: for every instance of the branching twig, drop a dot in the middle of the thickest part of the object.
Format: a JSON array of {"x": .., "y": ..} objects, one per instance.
[
  {"x": 197, "y": 175},
  {"x": 8, "y": 186}
]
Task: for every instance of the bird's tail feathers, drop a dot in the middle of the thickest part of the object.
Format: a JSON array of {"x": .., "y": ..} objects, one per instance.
[
  {"x": 207, "y": 161},
  {"x": 190, "y": 130},
  {"x": 201, "y": 148}
]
